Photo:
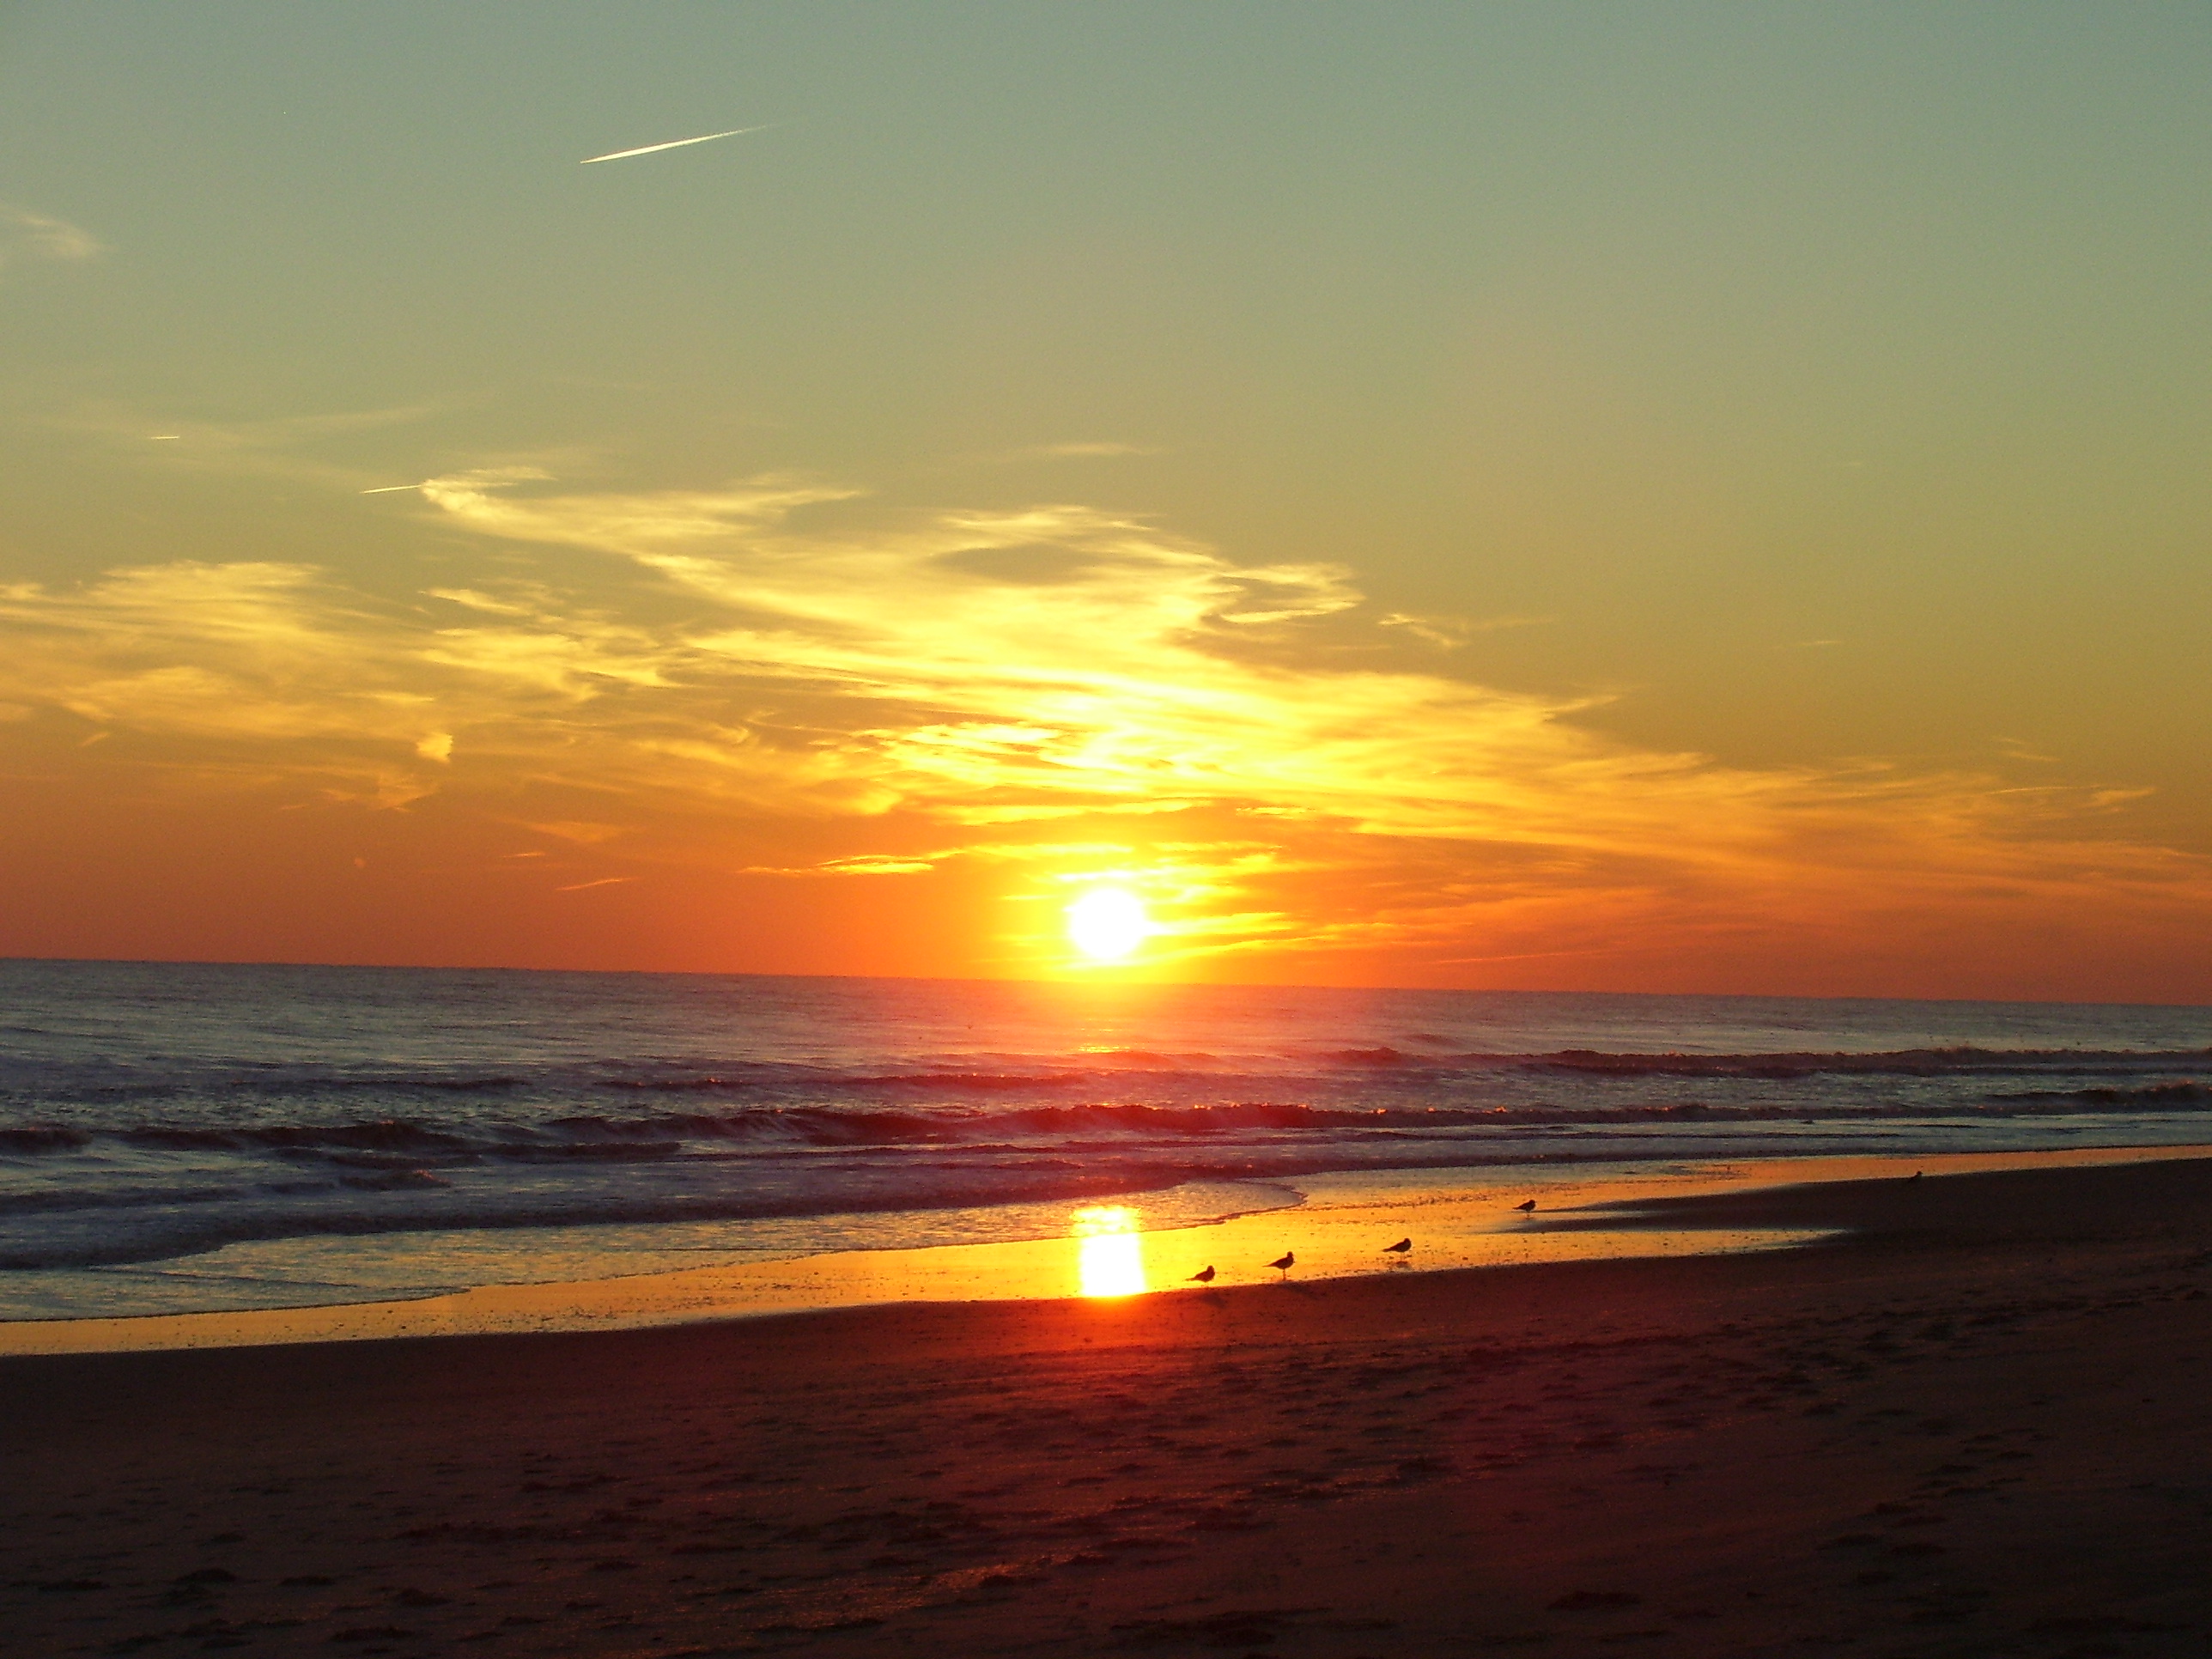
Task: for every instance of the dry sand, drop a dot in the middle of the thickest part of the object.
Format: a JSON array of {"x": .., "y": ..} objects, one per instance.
[{"x": 1975, "y": 1425}]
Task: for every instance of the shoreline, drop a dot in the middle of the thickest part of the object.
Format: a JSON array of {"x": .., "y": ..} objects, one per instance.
[
  {"x": 1462, "y": 1219},
  {"x": 1970, "y": 1424}
]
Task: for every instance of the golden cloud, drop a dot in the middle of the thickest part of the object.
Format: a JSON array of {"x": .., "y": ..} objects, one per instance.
[{"x": 770, "y": 651}]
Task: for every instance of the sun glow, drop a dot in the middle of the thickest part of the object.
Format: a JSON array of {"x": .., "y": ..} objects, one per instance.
[
  {"x": 1108, "y": 923},
  {"x": 1109, "y": 1251}
]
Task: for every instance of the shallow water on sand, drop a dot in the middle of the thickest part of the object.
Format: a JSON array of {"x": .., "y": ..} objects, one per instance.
[{"x": 1333, "y": 1226}]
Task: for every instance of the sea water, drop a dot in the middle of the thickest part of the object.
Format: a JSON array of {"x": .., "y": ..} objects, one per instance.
[{"x": 185, "y": 1137}]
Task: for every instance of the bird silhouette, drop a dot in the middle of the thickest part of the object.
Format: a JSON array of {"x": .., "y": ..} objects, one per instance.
[
  {"x": 1283, "y": 1263},
  {"x": 1403, "y": 1246},
  {"x": 1203, "y": 1276},
  {"x": 1527, "y": 1206}
]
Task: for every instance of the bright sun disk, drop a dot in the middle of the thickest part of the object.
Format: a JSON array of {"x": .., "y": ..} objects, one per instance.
[{"x": 1107, "y": 923}]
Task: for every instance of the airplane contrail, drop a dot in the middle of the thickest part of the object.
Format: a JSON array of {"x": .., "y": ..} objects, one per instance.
[
  {"x": 387, "y": 490},
  {"x": 673, "y": 144}
]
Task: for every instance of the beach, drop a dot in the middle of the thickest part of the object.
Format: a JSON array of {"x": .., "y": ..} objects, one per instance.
[
  {"x": 1968, "y": 1420},
  {"x": 1105, "y": 831}
]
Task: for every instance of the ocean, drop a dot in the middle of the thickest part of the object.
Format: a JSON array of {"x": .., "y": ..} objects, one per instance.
[{"x": 178, "y": 1137}]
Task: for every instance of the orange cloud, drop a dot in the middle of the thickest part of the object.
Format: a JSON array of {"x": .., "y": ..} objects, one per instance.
[{"x": 1053, "y": 694}]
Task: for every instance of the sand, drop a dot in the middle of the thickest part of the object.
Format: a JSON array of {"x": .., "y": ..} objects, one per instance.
[{"x": 1973, "y": 1423}]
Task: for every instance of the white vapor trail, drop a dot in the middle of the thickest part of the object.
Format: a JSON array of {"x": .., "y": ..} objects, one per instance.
[{"x": 673, "y": 144}]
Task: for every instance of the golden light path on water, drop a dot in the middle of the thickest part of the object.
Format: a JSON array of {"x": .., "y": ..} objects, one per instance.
[{"x": 1109, "y": 1250}]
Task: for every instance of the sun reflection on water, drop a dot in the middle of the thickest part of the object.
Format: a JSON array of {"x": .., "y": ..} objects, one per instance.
[{"x": 1109, "y": 1251}]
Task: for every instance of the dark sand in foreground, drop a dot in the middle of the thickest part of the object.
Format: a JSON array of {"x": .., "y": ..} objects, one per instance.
[{"x": 1976, "y": 1427}]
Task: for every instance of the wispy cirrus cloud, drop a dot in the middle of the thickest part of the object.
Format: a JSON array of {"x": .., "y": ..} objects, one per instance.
[
  {"x": 1083, "y": 450},
  {"x": 25, "y": 235},
  {"x": 1057, "y": 692},
  {"x": 284, "y": 447},
  {"x": 1450, "y": 633},
  {"x": 1073, "y": 449}
]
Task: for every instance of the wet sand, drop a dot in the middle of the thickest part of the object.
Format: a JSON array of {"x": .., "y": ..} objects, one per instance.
[
  {"x": 1973, "y": 1423},
  {"x": 1463, "y": 1218}
]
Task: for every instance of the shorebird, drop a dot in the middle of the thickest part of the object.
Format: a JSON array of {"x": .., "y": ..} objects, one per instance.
[
  {"x": 1283, "y": 1263},
  {"x": 1403, "y": 1246},
  {"x": 1527, "y": 1206},
  {"x": 1203, "y": 1276}
]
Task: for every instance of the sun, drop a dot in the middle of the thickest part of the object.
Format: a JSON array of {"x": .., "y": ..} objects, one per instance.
[{"x": 1108, "y": 923}]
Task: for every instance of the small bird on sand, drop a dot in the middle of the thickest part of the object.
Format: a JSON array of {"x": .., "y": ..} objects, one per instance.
[
  {"x": 1283, "y": 1263},
  {"x": 1915, "y": 1175},
  {"x": 1203, "y": 1276},
  {"x": 1527, "y": 1206},
  {"x": 1403, "y": 1246}
]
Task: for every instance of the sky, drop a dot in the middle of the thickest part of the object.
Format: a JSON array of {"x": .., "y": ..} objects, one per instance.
[{"x": 1664, "y": 497}]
